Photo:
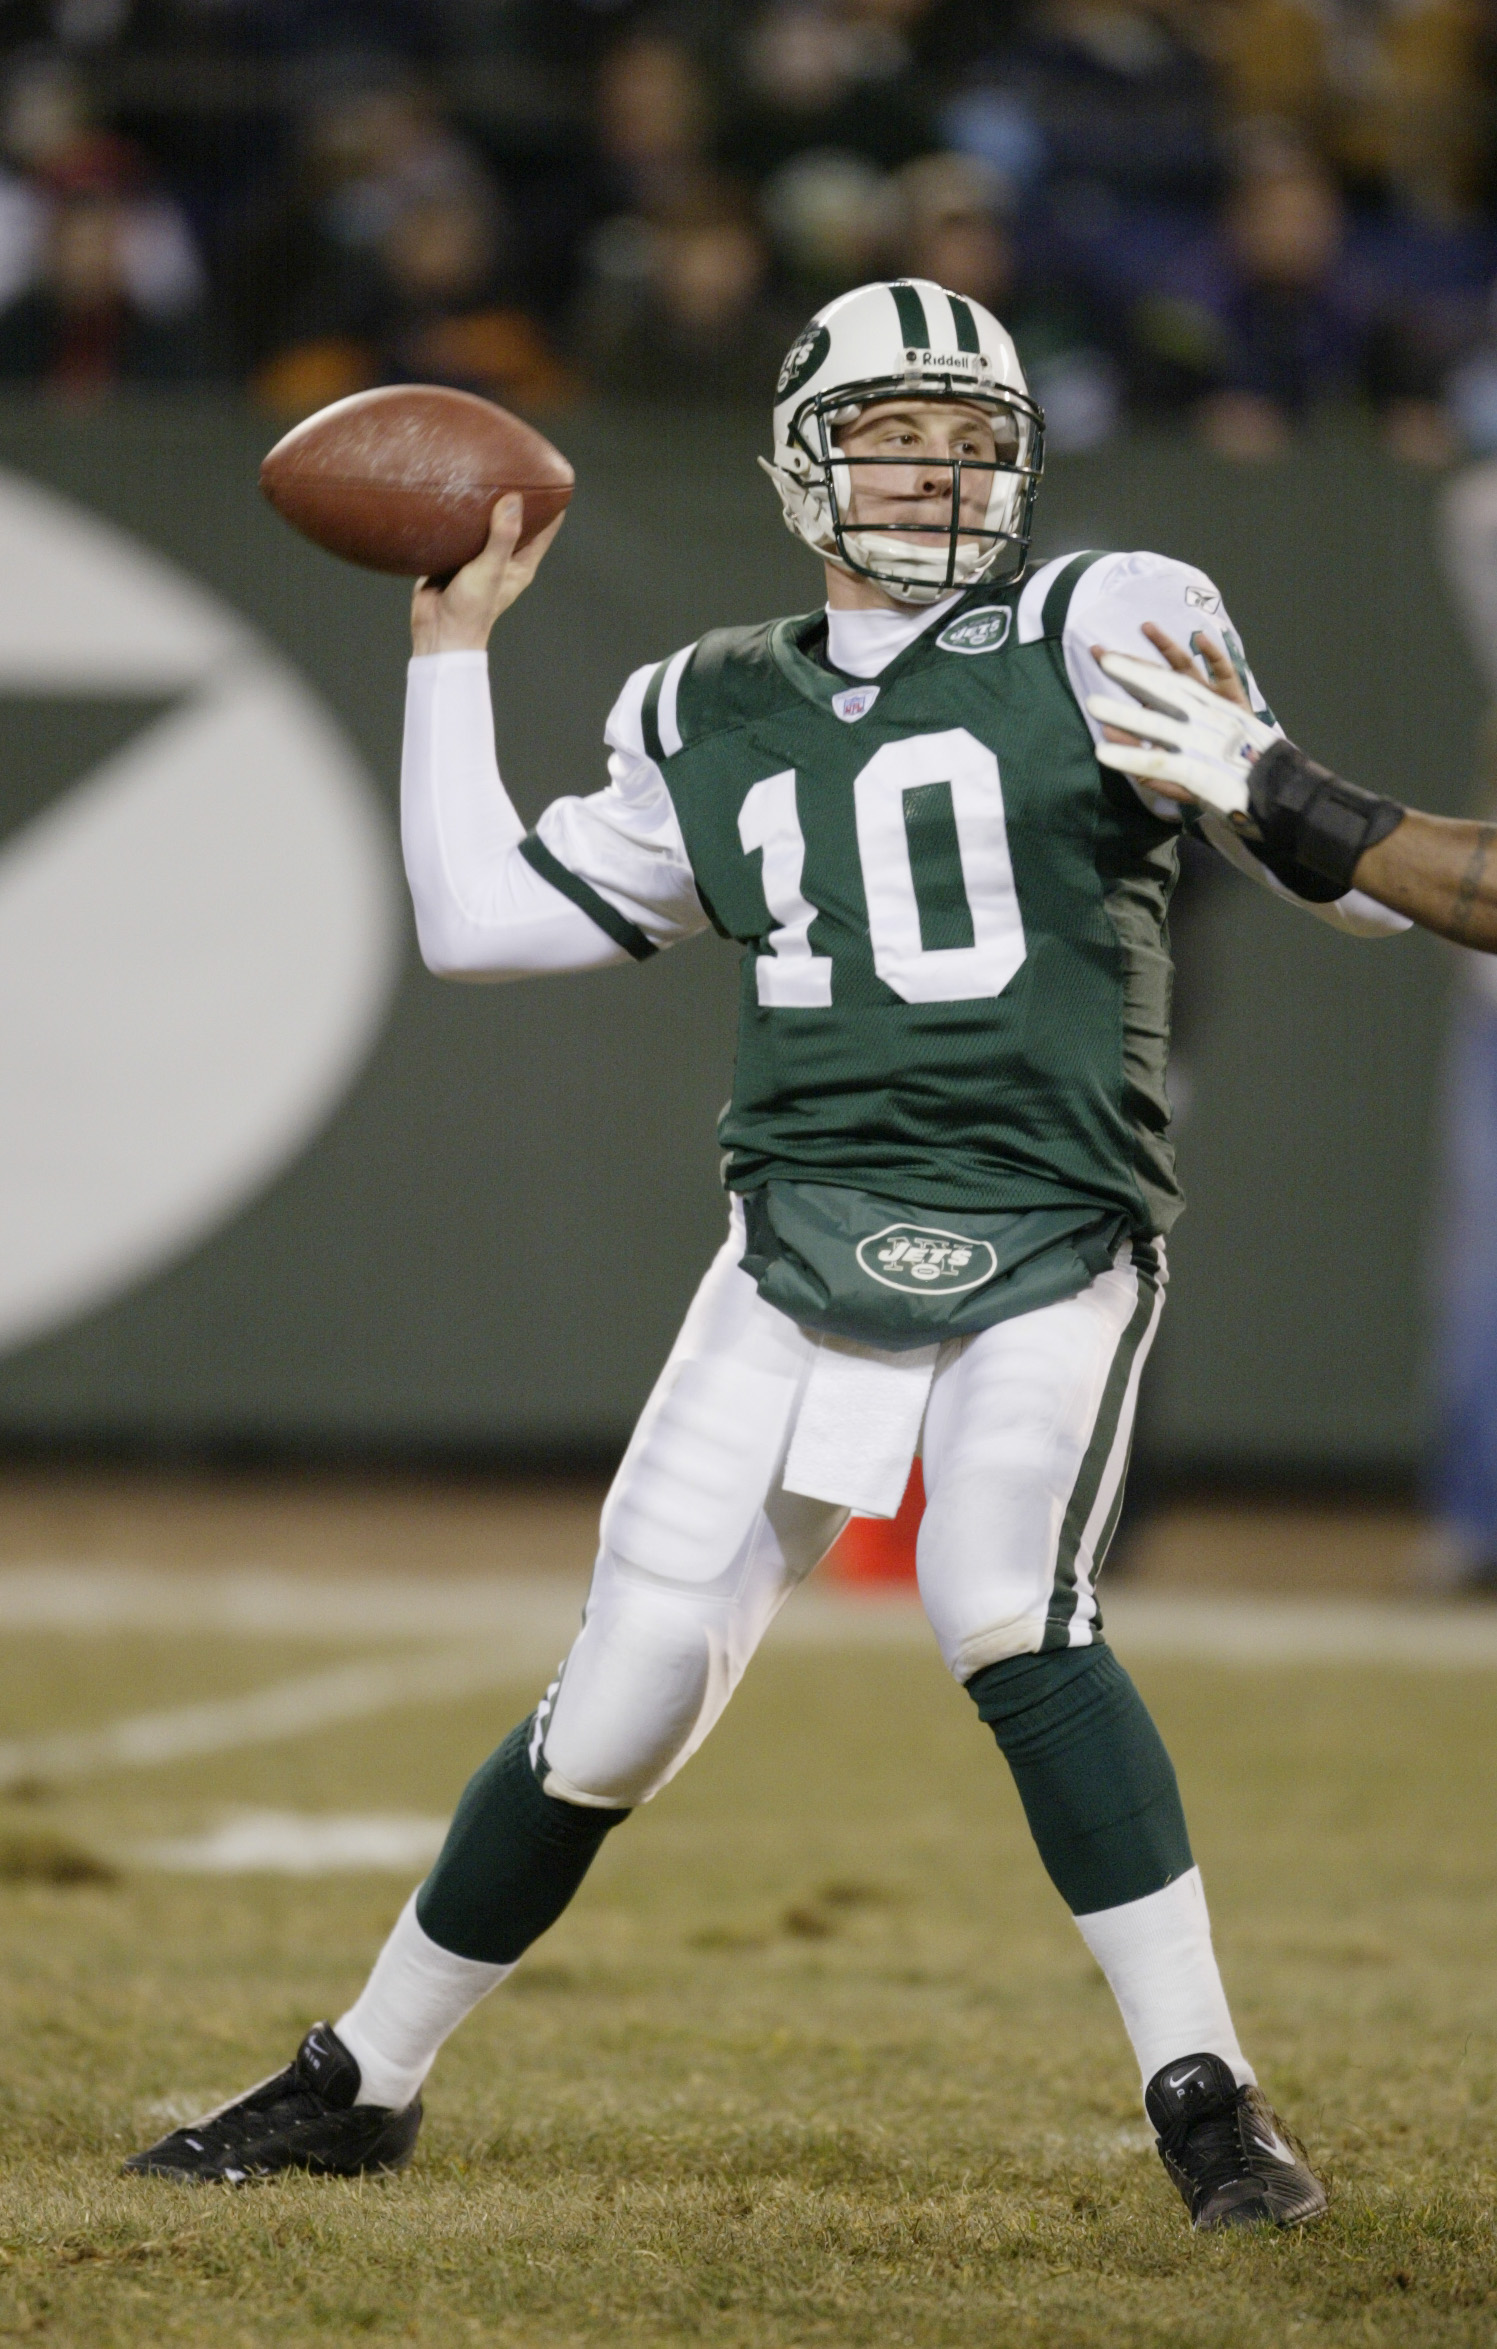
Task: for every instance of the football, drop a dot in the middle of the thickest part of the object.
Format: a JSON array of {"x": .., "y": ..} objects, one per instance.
[{"x": 405, "y": 478}]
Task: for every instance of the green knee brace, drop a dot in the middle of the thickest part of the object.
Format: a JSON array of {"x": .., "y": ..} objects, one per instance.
[{"x": 1097, "y": 1786}]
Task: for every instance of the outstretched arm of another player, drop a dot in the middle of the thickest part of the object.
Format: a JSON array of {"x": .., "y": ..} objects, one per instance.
[
  {"x": 1442, "y": 873},
  {"x": 1435, "y": 870},
  {"x": 490, "y": 903}
]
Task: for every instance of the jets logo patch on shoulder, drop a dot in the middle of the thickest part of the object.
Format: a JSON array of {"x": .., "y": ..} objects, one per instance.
[
  {"x": 977, "y": 632},
  {"x": 854, "y": 702},
  {"x": 924, "y": 1261}
]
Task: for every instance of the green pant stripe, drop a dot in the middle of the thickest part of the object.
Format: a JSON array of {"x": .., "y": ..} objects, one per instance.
[
  {"x": 1094, "y": 1463},
  {"x": 1104, "y": 1538}
]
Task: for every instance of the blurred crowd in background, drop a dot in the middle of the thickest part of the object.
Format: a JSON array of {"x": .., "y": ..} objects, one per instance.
[{"x": 1229, "y": 212}]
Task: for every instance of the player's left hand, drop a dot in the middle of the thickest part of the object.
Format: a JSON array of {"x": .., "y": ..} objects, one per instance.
[{"x": 1198, "y": 740}]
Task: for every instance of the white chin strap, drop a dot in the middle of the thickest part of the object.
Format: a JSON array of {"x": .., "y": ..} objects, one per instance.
[
  {"x": 916, "y": 570},
  {"x": 911, "y": 568}
]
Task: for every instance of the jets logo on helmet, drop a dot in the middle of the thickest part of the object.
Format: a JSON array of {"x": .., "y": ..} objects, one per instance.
[{"x": 908, "y": 339}]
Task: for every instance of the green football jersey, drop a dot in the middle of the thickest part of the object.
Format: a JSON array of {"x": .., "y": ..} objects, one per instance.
[{"x": 956, "y": 983}]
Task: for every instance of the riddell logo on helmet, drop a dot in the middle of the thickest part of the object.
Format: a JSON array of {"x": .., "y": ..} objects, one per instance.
[{"x": 950, "y": 362}]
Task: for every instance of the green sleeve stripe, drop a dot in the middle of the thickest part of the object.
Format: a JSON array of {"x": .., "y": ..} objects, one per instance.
[
  {"x": 1062, "y": 588},
  {"x": 649, "y": 715},
  {"x": 966, "y": 324},
  {"x": 912, "y": 323},
  {"x": 608, "y": 918}
]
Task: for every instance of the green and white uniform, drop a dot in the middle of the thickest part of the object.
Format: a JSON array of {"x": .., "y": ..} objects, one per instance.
[
  {"x": 948, "y": 1151},
  {"x": 951, "y": 1063}
]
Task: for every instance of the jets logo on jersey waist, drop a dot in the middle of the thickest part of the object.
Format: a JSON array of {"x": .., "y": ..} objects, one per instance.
[
  {"x": 977, "y": 632},
  {"x": 925, "y": 1261}
]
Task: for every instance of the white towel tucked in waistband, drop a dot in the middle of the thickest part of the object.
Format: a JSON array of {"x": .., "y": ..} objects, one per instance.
[{"x": 858, "y": 1425}]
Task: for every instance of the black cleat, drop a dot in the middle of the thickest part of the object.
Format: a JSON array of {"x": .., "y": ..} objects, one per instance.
[
  {"x": 303, "y": 2118},
  {"x": 1235, "y": 2163}
]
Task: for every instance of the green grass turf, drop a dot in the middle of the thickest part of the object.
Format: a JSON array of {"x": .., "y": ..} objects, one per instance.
[{"x": 816, "y": 2057}]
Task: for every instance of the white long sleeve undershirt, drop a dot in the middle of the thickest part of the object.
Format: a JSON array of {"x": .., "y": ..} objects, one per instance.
[{"x": 481, "y": 911}]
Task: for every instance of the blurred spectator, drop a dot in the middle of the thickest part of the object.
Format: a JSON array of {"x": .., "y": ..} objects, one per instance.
[
  {"x": 833, "y": 218},
  {"x": 748, "y": 161},
  {"x": 1120, "y": 95},
  {"x": 1398, "y": 91},
  {"x": 954, "y": 227},
  {"x": 1471, "y": 390},
  {"x": 680, "y": 305},
  {"x": 833, "y": 75},
  {"x": 655, "y": 122},
  {"x": 386, "y": 259},
  {"x": 100, "y": 281},
  {"x": 1274, "y": 312},
  {"x": 677, "y": 298}
]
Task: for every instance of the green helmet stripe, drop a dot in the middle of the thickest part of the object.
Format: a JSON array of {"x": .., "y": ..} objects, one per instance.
[
  {"x": 965, "y": 323},
  {"x": 912, "y": 323}
]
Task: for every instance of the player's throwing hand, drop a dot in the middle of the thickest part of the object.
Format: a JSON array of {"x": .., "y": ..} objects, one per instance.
[{"x": 456, "y": 615}]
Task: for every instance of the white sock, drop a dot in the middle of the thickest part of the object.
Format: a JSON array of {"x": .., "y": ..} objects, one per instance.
[
  {"x": 417, "y": 1993},
  {"x": 1161, "y": 1969}
]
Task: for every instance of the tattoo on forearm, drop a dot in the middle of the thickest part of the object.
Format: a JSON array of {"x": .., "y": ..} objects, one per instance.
[{"x": 1471, "y": 880}]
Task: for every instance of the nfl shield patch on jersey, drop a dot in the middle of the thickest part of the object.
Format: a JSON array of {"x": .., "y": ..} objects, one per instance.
[{"x": 854, "y": 702}]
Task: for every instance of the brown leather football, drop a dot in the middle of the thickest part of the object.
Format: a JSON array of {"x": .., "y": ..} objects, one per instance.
[{"x": 405, "y": 478}]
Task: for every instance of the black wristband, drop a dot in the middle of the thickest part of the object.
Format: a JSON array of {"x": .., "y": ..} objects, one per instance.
[{"x": 1315, "y": 827}]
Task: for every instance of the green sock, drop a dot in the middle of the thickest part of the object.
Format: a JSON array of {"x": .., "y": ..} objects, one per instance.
[
  {"x": 1097, "y": 1786},
  {"x": 513, "y": 1858}
]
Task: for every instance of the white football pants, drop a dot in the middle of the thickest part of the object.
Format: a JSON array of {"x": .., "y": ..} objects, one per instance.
[{"x": 1025, "y": 1445}]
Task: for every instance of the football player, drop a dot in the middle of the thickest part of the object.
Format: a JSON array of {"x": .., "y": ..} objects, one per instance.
[{"x": 948, "y": 1165}]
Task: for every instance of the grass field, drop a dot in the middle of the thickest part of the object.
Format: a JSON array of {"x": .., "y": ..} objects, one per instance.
[{"x": 816, "y": 2057}]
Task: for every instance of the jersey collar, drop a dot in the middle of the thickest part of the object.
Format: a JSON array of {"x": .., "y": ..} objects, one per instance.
[{"x": 789, "y": 640}]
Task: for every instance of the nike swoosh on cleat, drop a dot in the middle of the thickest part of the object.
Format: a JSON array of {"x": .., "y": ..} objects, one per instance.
[{"x": 1276, "y": 2147}]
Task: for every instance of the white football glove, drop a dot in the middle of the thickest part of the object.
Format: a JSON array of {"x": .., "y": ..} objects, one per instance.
[{"x": 1206, "y": 744}]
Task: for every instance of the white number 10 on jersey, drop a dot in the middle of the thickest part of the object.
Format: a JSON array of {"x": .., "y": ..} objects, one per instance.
[{"x": 791, "y": 976}]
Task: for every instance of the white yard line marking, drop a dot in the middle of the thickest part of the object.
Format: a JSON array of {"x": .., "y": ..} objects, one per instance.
[
  {"x": 535, "y": 1616},
  {"x": 298, "y": 1843},
  {"x": 1228, "y": 1628},
  {"x": 249, "y": 1602},
  {"x": 516, "y": 1629},
  {"x": 291, "y": 1708}
]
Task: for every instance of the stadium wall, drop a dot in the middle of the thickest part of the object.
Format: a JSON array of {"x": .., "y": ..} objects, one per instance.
[{"x": 266, "y": 1187}]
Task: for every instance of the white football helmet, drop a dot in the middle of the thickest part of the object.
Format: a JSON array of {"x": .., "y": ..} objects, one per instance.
[{"x": 907, "y": 339}]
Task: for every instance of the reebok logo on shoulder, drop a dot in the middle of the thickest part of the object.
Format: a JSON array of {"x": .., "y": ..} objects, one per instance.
[{"x": 978, "y": 632}]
